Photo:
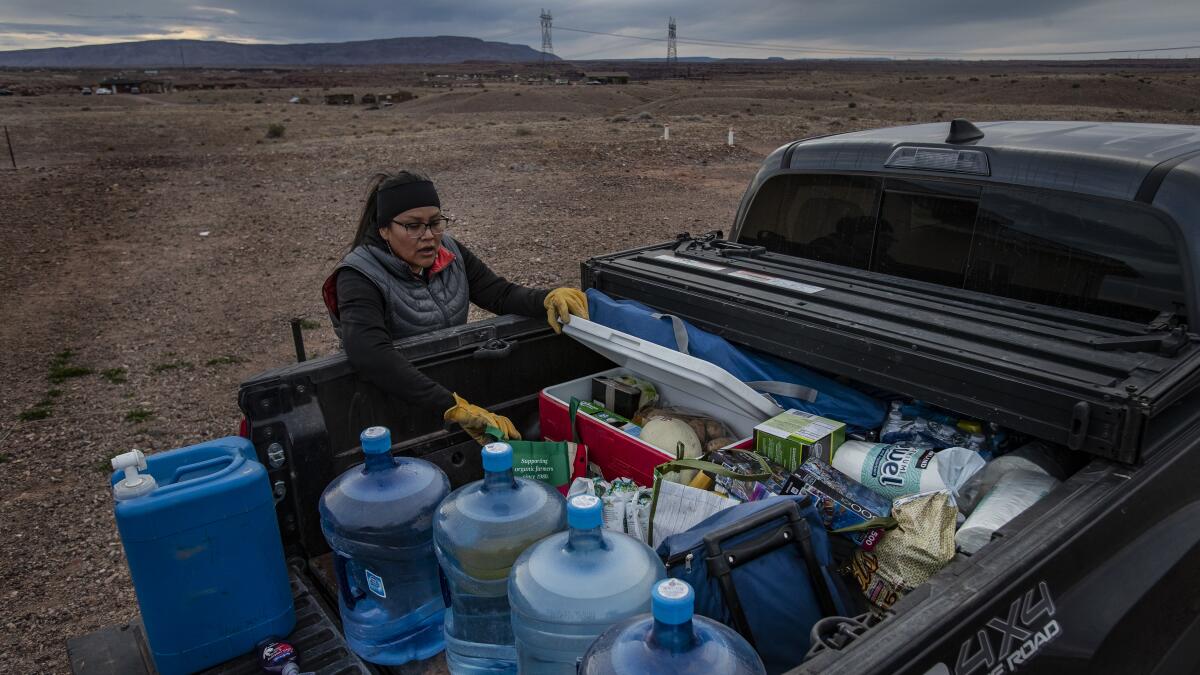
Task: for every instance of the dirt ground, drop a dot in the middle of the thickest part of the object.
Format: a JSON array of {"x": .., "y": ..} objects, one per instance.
[{"x": 154, "y": 247}]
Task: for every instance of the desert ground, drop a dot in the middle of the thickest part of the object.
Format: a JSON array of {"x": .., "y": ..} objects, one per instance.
[{"x": 154, "y": 247}]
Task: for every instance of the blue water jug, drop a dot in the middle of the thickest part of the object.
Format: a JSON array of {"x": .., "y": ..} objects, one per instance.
[
  {"x": 671, "y": 640},
  {"x": 204, "y": 552},
  {"x": 570, "y": 587},
  {"x": 478, "y": 532},
  {"x": 378, "y": 519}
]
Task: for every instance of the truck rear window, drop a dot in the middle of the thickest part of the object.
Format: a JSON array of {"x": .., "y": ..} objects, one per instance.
[
  {"x": 924, "y": 236},
  {"x": 1080, "y": 253},
  {"x": 829, "y": 218}
]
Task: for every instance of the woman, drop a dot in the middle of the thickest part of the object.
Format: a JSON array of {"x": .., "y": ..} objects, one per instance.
[{"x": 404, "y": 276}]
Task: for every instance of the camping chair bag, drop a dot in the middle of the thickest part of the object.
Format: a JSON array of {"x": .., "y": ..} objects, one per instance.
[{"x": 765, "y": 569}]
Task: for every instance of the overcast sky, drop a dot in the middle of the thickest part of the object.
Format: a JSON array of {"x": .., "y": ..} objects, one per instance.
[{"x": 788, "y": 28}]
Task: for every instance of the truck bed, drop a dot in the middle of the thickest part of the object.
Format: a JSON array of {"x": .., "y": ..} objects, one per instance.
[
  {"x": 1063, "y": 561},
  {"x": 317, "y": 638}
]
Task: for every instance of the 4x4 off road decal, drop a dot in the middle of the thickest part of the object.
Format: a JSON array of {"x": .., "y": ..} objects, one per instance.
[{"x": 1009, "y": 641}]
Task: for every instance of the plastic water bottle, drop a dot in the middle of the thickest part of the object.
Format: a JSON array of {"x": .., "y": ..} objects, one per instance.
[
  {"x": 671, "y": 640},
  {"x": 478, "y": 532},
  {"x": 893, "y": 426},
  {"x": 378, "y": 519},
  {"x": 570, "y": 587}
]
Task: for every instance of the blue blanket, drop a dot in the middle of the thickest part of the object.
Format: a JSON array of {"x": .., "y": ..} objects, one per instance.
[{"x": 825, "y": 397}]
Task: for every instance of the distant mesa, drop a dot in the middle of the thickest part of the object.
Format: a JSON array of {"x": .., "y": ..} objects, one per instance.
[{"x": 207, "y": 54}]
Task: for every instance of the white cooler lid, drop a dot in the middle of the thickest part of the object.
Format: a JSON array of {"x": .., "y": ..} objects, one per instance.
[{"x": 700, "y": 378}]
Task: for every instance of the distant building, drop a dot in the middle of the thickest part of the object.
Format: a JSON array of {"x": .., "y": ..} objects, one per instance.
[
  {"x": 122, "y": 85},
  {"x": 339, "y": 99},
  {"x": 613, "y": 77}
]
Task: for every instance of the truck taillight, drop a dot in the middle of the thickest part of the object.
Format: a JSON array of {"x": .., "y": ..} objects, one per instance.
[
  {"x": 244, "y": 428},
  {"x": 940, "y": 159}
]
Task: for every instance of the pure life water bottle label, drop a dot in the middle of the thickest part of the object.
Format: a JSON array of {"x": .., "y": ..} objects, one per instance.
[
  {"x": 895, "y": 470},
  {"x": 375, "y": 584}
]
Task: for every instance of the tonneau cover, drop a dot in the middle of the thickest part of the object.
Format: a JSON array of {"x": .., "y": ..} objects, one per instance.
[{"x": 1091, "y": 383}]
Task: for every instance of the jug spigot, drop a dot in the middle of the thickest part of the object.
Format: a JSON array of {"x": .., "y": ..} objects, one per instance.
[{"x": 134, "y": 484}]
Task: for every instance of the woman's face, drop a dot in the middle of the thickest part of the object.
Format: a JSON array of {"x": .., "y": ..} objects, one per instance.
[{"x": 419, "y": 251}]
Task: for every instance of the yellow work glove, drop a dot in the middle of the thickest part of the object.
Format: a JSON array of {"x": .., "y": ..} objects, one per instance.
[
  {"x": 561, "y": 303},
  {"x": 475, "y": 420}
]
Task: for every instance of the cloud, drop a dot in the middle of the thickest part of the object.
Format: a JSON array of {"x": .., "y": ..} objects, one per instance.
[
  {"x": 218, "y": 10},
  {"x": 789, "y": 28}
]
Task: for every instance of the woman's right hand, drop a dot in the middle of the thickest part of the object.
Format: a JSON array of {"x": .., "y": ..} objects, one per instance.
[{"x": 475, "y": 421}]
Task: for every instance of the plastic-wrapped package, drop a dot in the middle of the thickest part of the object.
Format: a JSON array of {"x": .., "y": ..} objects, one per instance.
[
  {"x": 921, "y": 426},
  {"x": 921, "y": 544},
  {"x": 1038, "y": 456},
  {"x": 706, "y": 428},
  {"x": 841, "y": 501},
  {"x": 626, "y": 504},
  {"x": 741, "y": 462},
  {"x": 896, "y": 470},
  {"x": 1014, "y": 492},
  {"x": 649, "y": 391}
]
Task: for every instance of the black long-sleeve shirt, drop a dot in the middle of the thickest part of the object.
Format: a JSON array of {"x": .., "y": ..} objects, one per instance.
[{"x": 368, "y": 344}]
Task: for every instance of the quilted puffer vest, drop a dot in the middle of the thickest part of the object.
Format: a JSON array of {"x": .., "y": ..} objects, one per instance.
[{"x": 412, "y": 305}]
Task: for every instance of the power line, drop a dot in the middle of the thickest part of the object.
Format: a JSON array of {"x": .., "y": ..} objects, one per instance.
[
  {"x": 519, "y": 31},
  {"x": 840, "y": 50}
]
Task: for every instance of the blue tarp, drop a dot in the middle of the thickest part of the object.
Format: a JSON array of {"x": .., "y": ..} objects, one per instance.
[{"x": 832, "y": 399}]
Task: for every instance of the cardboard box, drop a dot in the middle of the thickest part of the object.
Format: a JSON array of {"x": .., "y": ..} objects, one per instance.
[
  {"x": 618, "y": 397},
  {"x": 841, "y": 501},
  {"x": 609, "y": 417},
  {"x": 790, "y": 438}
]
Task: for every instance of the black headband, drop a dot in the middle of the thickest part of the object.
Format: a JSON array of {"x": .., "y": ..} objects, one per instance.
[{"x": 396, "y": 199}]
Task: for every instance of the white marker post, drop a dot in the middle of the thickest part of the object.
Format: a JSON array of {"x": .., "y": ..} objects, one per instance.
[
  {"x": 730, "y": 140},
  {"x": 666, "y": 132}
]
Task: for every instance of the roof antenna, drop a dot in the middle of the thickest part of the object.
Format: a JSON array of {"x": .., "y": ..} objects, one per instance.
[{"x": 962, "y": 131}]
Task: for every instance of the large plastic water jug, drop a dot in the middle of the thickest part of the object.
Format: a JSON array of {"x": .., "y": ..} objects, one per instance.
[
  {"x": 570, "y": 587},
  {"x": 200, "y": 535},
  {"x": 478, "y": 532},
  {"x": 378, "y": 519},
  {"x": 671, "y": 640}
]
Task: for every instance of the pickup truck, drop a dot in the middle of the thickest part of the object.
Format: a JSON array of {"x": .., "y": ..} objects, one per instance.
[{"x": 1036, "y": 275}]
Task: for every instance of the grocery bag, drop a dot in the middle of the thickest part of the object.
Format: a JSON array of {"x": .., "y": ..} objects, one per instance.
[
  {"x": 765, "y": 569},
  {"x": 556, "y": 463},
  {"x": 682, "y": 506}
]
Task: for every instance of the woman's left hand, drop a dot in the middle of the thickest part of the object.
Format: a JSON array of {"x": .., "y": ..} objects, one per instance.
[{"x": 561, "y": 303}]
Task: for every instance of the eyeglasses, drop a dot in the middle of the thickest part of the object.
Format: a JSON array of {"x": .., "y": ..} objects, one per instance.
[{"x": 416, "y": 230}]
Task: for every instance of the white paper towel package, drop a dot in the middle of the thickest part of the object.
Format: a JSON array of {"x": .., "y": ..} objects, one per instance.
[{"x": 1014, "y": 492}]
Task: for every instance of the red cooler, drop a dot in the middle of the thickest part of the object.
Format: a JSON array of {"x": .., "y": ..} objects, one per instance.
[{"x": 683, "y": 381}]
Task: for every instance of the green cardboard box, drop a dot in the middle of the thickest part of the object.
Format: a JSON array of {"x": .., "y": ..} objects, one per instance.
[
  {"x": 794, "y": 436},
  {"x": 609, "y": 417}
]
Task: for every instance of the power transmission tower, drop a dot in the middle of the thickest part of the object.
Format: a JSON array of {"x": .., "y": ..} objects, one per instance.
[
  {"x": 672, "y": 54},
  {"x": 547, "y": 44}
]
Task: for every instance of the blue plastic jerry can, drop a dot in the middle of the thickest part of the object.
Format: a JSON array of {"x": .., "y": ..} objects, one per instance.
[{"x": 199, "y": 530}]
